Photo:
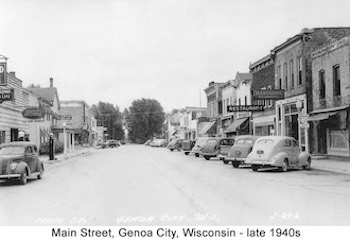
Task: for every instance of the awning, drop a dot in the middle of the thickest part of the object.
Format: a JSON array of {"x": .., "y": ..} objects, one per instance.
[
  {"x": 237, "y": 123},
  {"x": 321, "y": 116},
  {"x": 207, "y": 127}
]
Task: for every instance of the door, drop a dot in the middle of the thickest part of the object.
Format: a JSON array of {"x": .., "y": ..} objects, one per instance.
[
  {"x": 30, "y": 158},
  {"x": 322, "y": 139}
]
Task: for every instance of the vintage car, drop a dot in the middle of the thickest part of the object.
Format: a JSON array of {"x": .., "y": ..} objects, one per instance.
[
  {"x": 187, "y": 146},
  {"x": 217, "y": 147},
  {"x": 175, "y": 144},
  {"x": 240, "y": 150},
  {"x": 278, "y": 152},
  {"x": 197, "y": 149},
  {"x": 159, "y": 142},
  {"x": 111, "y": 143},
  {"x": 20, "y": 160}
]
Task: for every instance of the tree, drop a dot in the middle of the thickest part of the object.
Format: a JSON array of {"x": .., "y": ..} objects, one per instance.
[
  {"x": 32, "y": 85},
  {"x": 144, "y": 119},
  {"x": 110, "y": 117}
]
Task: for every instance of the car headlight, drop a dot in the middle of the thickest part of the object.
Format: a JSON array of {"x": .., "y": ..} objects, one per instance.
[{"x": 13, "y": 166}]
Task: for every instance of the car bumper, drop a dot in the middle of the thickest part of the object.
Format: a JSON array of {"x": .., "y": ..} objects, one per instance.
[
  {"x": 9, "y": 176},
  {"x": 234, "y": 159}
]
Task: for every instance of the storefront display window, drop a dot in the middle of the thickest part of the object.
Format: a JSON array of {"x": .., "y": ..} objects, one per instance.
[{"x": 338, "y": 139}]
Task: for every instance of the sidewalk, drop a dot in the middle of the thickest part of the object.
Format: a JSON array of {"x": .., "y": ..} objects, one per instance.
[
  {"x": 61, "y": 157},
  {"x": 330, "y": 165}
]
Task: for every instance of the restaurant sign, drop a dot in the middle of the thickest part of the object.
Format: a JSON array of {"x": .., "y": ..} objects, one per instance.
[
  {"x": 268, "y": 94},
  {"x": 6, "y": 95},
  {"x": 245, "y": 108},
  {"x": 34, "y": 113},
  {"x": 64, "y": 117}
]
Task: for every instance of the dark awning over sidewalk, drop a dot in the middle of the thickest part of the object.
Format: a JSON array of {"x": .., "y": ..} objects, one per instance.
[{"x": 236, "y": 124}]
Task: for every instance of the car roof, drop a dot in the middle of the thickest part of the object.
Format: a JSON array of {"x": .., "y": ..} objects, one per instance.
[
  {"x": 18, "y": 143},
  {"x": 246, "y": 136},
  {"x": 275, "y": 138}
]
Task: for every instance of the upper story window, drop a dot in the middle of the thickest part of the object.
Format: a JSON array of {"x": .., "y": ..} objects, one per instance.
[
  {"x": 291, "y": 72},
  {"x": 279, "y": 79},
  {"x": 285, "y": 73},
  {"x": 336, "y": 80},
  {"x": 322, "y": 84},
  {"x": 300, "y": 70}
]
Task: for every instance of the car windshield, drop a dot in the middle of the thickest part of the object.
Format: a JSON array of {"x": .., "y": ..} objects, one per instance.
[
  {"x": 266, "y": 141},
  {"x": 11, "y": 150}
]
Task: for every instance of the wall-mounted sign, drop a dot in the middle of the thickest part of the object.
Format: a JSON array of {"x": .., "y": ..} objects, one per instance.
[
  {"x": 7, "y": 95},
  {"x": 268, "y": 94},
  {"x": 64, "y": 117},
  {"x": 34, "y": 112},
  {"x": 245, "y": 108},
  {"x": 3, "y": 76}
]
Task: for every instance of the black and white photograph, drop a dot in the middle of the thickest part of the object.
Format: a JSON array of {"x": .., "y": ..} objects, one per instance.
[{"x": 174, "y": 119}]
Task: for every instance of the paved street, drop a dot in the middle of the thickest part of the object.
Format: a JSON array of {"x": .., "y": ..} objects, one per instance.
[{"x": 139, "y": 185}]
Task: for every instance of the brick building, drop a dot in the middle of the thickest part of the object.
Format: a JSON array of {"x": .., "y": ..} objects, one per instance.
[
  {"x": 293, "y": 73},
  {"x": 329, "y": 117},
  {"x": 263, "y": 123}
]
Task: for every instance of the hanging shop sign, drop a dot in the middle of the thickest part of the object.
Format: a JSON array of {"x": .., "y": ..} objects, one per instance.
[
  {"x": 64, "y": 117},
  {"x": 245, "y": 108},
  {"x": 3, "y": 75},
  {"x": 6, "y": 95},
  {"x": 268, "y": 94},
  {"x": 33, "y": 113}
]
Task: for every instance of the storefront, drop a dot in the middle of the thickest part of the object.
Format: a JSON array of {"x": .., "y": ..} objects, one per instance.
[
  {"x": 291, "y": 119},
  {"x": 264, "y": 126},
  {"x": 331, "y": 131}
]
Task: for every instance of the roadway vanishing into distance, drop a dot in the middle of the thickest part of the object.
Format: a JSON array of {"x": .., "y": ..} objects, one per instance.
[{"x": 140, "y": 185}]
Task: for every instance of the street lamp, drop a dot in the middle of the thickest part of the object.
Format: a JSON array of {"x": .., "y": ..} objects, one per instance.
[{"x": 301, "y": 121}]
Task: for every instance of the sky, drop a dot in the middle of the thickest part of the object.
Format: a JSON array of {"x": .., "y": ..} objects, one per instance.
[{"x": 118, "y": 51}]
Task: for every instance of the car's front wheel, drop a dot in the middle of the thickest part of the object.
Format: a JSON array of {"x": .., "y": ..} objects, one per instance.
[
  {"x": 196, "y": 154},
  {"x": 186, "y": 153},
  {"x": 225, "y": 161},
  {"x": 255, "y": 168},
  {"x": 24, "y": 179},
  {"x": 284, "y": 167},
  {"x": 235, "y": 164},
  {"x": 206, "y": 157},
  {"x": 308, "y": 164},
  {"x": 40, "y": 175}
]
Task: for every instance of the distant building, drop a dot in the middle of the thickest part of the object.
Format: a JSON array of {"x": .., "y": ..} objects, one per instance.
[{"x": 81, "y": 120}]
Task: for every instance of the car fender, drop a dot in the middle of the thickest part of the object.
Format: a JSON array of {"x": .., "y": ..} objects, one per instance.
[
  {"x": 303, "y": 157},
  {"x": 278, "y": 158},
  {"x": 21, "y": 168}
]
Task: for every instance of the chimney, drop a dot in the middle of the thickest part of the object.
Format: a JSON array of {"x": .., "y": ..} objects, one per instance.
[
  {"x": 13, "y": 74},
  {"x": 51, "y": 82}
]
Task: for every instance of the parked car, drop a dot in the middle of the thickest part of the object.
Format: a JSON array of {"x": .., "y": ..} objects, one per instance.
[
  {"x": 217, "y": 146},
  {"x": 159, "y": 142},
  {"x": 111, "y": 143},
  {"x": 147, "y": 143},
  {"x": 197, "y": 149},
  {"x": 175, "y": 143},
  {"x": 240, "y": 150},
  {"x": 278, "y": 152},
  {"x": 20, "y": 160},
  {"x": 187, "y": 146}
]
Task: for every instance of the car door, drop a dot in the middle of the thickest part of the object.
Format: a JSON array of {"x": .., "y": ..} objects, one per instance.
[{"x": 30, "y": 158}]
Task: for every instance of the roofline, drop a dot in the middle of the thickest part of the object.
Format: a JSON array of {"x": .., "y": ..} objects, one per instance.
[{"x": 261, "y": 60}]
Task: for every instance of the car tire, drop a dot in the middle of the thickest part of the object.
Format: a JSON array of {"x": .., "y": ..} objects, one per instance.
[
  {"x": 308, "y": 164},
  {"x": 207, "y": 157},
  {"x": 171, "y": 149},
  {"x": 235, "y": 164},
  {"x": 284, "y": 167},
  {"x": 23, "y": 179},
  {"x": 225, "y": 162},
  {"x": 255, "y": 168},
  {"x": 196, "y": 154},
  {"x": 40, "y": 175},
  {"x": 186, "y": 153}
]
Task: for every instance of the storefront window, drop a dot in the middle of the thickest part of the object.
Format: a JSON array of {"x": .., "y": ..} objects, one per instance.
[{"x": 339, "y": 139}]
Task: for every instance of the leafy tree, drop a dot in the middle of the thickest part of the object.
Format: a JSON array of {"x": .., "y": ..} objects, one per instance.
[
  {"x": 32, "y": 85},
  {"x": 144, "y": 119},
  {"x": 110, "y": 117}
]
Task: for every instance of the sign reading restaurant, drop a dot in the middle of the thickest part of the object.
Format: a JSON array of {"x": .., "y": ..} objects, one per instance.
[
  {"x": 245, "y": 108},
  {"x": 3, "y": 80},
  {"x": 268, "y": 94}
]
